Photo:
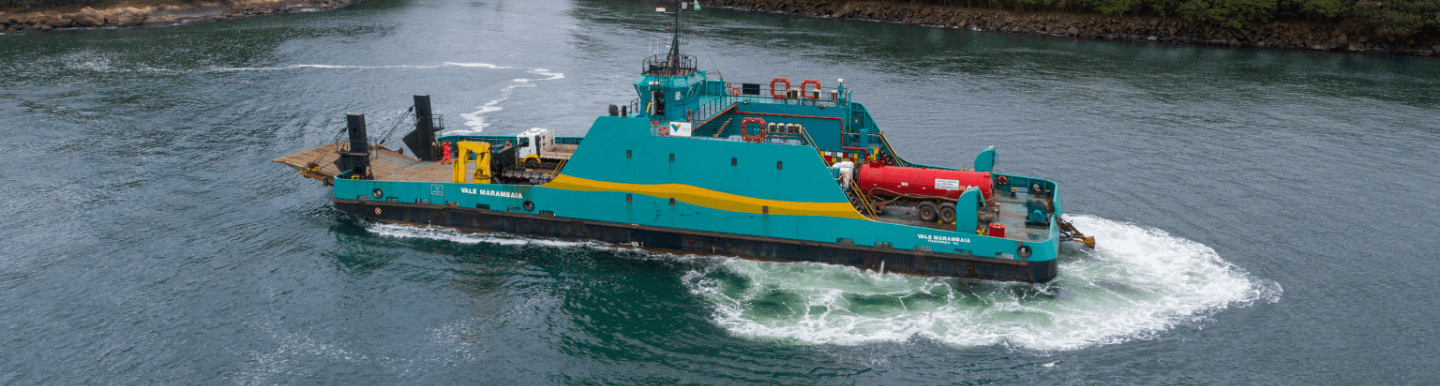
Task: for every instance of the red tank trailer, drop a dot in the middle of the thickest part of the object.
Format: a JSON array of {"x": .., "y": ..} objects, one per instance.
[{"x": 920, "y": 183}]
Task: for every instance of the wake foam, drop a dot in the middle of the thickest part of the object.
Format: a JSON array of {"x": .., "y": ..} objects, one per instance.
[
  {"x": 1139, "y": 282},
  {"x": 451, "y": 235},
  {"x": 476, "y": 123},
  {"x": 454, "y": 236},
  {"x": 473, "y": 120},
  {"x": 348, "y": 67},
  {"x": 99, "y": 63}
]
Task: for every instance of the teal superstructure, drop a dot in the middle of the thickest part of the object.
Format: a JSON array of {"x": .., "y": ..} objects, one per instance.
[{"x": 703, "y": 165}]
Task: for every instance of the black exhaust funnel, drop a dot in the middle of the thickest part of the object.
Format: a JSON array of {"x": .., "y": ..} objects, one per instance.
[
  {"x": 356, "y": 159},
  {"x": 422, "y": 140}
]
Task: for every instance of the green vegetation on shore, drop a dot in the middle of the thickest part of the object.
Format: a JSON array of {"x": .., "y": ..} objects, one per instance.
[
  {"x": 36, "y": 5},
  {"x": 1389, "y": 16},
  {"x": 1399, "y": 17}
]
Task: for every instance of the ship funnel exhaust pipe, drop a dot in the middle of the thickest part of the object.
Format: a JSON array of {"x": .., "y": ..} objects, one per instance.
[
  {"x": 422, "y": 140},
  {"x": 355, "y": 125},
  {"x": 356, "y": 159}
]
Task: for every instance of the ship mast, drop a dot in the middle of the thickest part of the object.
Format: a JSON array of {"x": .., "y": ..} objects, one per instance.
[
  {"x": 673, "y": 59},
  {"x": 674, "y": 63}
]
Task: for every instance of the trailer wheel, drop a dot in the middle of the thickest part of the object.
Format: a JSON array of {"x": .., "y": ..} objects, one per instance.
[
  {"x": 927, "y": 211},
  {"x": 947, "y": 213},
  {"x": 532, "y": 163}
]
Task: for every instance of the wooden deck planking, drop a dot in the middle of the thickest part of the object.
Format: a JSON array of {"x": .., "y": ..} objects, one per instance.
[
  {"x": 560, "y": 151},
  {"x": 385, "y": 164}
]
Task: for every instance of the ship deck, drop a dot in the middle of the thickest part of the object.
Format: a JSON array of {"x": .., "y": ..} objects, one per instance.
[
  {"x": 1005, "y": 209},
  {"x": 1012, "y": 213},
  {"x": 391, "y": 165},
  {"x": 385, "y": 164},
  {"x": 560, "y": 151}
]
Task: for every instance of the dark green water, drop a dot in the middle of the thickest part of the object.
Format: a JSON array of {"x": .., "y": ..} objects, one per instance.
[{"x": 1263, "y": 217}]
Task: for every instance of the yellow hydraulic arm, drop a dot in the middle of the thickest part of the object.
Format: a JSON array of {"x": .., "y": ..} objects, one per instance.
[{"x": 481, "y": 150}]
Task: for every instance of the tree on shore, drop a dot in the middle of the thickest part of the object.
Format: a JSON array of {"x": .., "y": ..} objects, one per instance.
[
  {"x": 1390, "y": 16},
  {"x": 1398, "y": 17}
]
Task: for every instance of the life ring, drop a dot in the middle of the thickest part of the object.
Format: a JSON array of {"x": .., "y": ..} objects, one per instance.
[
  {"x": 663, "y": 131},
  {"x": 779, "y": 95},
  {"x": 735, "y": 91},
  {"x": 806, "y": 94},
  {"x": 745, "y": 133},
  {"x": 1002, "y": 180}
]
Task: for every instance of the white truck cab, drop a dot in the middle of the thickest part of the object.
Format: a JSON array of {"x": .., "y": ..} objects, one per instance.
[
  {"x": 537, "y": 146},
  {"x": 530, "y": 142}
]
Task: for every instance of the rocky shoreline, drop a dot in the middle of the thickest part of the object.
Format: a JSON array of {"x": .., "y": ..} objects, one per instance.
[
  {"x": 1299, "y": 35},
  {"x": 157, "y": 15}
]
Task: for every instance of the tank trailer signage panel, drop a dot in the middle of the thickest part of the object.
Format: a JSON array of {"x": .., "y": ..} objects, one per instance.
[{"x": 943, "y": 184}]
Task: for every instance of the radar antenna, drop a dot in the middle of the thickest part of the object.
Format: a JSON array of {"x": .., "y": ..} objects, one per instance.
[{"x": 674, "y": 63}]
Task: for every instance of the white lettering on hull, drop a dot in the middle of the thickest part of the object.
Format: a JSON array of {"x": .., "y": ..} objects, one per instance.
[
  {"x": 493, "y": 193},
  {"x": 947, "y": 240}
]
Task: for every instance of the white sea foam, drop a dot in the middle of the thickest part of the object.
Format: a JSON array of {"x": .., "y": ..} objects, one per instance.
[
  {"x": 351, "y": 67},
  {"x": 96, "y": 63},
  {"x": 473, "y": 120},
  {"x": 1138, "y": 282},
  {"x": 478, "y": 65},
  {"x": 451, "y": 235},
  {"x": 476, "y": 123}
]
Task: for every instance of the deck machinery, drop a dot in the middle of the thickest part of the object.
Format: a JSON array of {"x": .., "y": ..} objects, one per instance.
[{"x": 695, "y": 164}]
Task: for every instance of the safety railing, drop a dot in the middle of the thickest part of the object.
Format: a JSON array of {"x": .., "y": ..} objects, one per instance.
[
  {"x": 796, "y": 100},
  {"x": 668, "y": 65},
  {"x": 869, "y": 210},
  {"x": 806, "y": 134},
  {"x": 708, "y": 109},
  {"x": 558, "y": 167},
  {"x": 891, "y": 150}
]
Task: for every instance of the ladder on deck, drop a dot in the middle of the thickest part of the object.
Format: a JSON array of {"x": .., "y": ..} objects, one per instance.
[{"x": 858, "y": 200}]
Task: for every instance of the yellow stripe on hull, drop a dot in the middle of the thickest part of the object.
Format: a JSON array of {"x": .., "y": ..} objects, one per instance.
[{"x": 709, "y": 198}]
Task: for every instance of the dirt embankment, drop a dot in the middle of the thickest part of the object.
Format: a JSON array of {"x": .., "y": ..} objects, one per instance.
[
  {"x": 157, "y": 15},
  {"x": 1346, "y": 36}
]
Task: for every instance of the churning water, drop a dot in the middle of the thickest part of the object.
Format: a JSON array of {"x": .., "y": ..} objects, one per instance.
[
  {"x": 1138, "y": 283},
  {"x": 1262, "y": 217}
]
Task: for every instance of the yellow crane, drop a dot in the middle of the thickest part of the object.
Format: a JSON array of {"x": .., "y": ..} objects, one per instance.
[{"x": 481, "y": 150}]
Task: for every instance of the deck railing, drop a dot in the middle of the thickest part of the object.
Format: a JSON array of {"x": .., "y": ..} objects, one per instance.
[
  {"x": 662, "y": 65},
  {"x": 869, "y": 209}
]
